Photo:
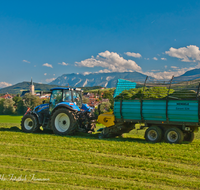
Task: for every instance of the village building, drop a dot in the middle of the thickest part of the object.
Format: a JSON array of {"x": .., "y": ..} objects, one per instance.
[{"x": 7, "y": 96}]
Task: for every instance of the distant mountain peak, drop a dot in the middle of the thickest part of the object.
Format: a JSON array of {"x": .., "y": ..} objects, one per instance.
[
  {"x": 97, "y": 79},
  {"x": 189, "y": 75}
]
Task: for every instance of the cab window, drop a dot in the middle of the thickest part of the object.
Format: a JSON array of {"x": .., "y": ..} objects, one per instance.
[
  {"x": 77, "y": 98},
  {"x": 67, "y": 96}
]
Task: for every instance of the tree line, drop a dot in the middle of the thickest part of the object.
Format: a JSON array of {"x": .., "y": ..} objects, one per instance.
[{"x": 18, "y": 105}]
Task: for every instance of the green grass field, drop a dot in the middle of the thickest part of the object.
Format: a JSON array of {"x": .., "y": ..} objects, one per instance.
[{"x": 48, "y": 161}]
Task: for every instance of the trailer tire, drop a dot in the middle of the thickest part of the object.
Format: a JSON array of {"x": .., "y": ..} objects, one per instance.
[
  {"x": 188, "y": 136},
  {"x": 174, "y": 135},
  {"x": 63, "y": 122},
  {"x": 29, "y": 124},
  {"x": 153, "y": 134}
]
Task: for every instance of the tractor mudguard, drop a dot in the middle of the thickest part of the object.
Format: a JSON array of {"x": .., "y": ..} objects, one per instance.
[
  {"x": 65, "y": 106},
  {"x": 36, "y": 115},
  {"x": 41, "y": 107}
]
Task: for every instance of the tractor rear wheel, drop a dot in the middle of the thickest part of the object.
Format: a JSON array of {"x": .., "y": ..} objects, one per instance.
[
  {"x": 63, "y": 122},
  {"x": 29, "y": 124}
]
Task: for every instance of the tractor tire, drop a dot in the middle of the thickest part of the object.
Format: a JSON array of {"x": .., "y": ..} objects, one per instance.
[
  {"x": 174, "y": 135},
  {"x": 29, "y": 124},
  {"x": 189, "y": 137},
  {"x": 153, "y": 134},
  {"x": 63, "y": 122}
]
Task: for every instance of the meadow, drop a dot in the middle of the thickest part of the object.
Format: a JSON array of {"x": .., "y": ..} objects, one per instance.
[{"x": 47, "y": 161}]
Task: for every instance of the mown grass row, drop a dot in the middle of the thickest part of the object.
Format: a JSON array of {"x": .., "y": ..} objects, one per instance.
[{"x": 47, "y": 161}]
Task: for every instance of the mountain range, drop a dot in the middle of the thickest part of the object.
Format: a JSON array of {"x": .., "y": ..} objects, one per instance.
[
  {"x": 189, "y": 75},
  {"x": 94, "y": 80},
  {"x": 108, "y": 80}
]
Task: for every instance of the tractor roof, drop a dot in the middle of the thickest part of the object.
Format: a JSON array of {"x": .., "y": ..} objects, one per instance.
[{"x": 63, "y": 88}]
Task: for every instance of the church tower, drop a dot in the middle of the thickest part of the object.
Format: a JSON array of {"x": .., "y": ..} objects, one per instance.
[{"x": 32, "y": 88}]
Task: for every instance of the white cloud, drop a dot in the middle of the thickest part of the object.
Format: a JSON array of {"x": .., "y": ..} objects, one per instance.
[
  {"x": 174, "y": 67},
  {"x": 86, "y": 73},
  {"x": 26, "y": 61},
  {"x": 189, "y": 53},
  {"x": 110, "y": 60},
  {"x": 54, "y": 74},
  {"x": 63, "y": 63},
  {"x": 136, "y": 55},
  {"x": 165, "y": 66},
  {"x": 169, "y": 74},
  {"x": 155, "y": 70},
  {"x": 50, "y": 80},
  {"x": 104, "y": 71},
  {"x": 163, "y": 58},
  {"x": 155, "y": 58},
  {"x": 4, "y": 84},
  {"x": 47, "y": 65},
  {"x": 45, "y": 74}
]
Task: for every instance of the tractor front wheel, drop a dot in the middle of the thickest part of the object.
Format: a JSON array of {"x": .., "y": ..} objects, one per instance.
[
  {"x": 63, "y": 122},
  {"x": 29, "y": 123}
]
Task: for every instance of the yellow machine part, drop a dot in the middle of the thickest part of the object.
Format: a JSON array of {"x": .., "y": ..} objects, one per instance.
[{"x": 106, "y": 119}]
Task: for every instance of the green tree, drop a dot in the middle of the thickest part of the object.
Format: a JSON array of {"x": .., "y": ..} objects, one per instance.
[
  {"x": 8, "y": 106},
  {"x": 109, "y": 95},
  {"x": 105, "y": 107},
  {"x": 21, "y": 109},
  {"x": 31, "y": 101},
  {"x": 1, "y": 105},
  {"x": 17, "y": 99},
  {"x": 85, "y": 100}
]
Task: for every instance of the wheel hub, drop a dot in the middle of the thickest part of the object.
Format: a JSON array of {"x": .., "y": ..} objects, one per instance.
[
  {"x": 28, "y": 123},
  {"x": 62, "y": 122},
  {"x": 152, "y": 135},
  {"x": 172, "y": 136}
]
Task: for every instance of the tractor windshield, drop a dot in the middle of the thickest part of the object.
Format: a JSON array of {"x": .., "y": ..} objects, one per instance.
[
  {"x": 56, "y": 97},
  {"x": 77, "y": 98}
]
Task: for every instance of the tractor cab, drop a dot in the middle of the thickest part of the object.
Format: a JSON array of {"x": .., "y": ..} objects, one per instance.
[{"x": 68, "y": 96}]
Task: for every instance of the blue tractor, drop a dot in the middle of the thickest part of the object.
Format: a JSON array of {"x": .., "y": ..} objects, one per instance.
[{"x": 65, "y": 114}]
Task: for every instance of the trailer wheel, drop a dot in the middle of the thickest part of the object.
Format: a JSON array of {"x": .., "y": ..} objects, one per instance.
[
  {"x": 29, "y": 123},
  {"x": 63, "y": 122},
  {"x": 174, "y": 135},
  {"x": 188, "y": 136},
  {"x": 153, "y": 134}
]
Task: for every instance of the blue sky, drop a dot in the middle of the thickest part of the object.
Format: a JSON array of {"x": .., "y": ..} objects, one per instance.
[{"x": 45, "y": 39}]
